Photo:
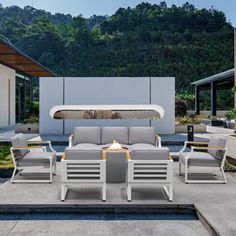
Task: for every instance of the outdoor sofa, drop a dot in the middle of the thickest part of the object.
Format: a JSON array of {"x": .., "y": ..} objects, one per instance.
[{"x": 146, "y": 164}]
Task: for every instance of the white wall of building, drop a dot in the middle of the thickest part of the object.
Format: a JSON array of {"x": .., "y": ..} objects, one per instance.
[
  {"x": 7, "y": 96},
  {"x": 95, "y": 91}
]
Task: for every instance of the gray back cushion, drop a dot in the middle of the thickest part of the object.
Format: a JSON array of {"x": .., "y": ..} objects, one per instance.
[
  {"x": 19, "y": 141},
  {"x": 142, "y": 135},
  {"x": 72, "y": 153},
  {"x": 120, "y": 134},
  {"x": 217, "y": 142},
  {"x": 152, "y": 154},
  {"x": 87, "y": 135}
]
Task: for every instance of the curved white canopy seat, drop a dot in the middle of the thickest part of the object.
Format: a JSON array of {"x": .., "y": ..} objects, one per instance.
[{"x": 107, "y": 112}]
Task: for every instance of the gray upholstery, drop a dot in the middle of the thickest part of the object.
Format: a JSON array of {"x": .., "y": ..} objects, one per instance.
[
  {"x": 145, "y": 152},
  {"x": 199, "y": 159},
  {"x": 142, "y": 135},
  {"x": 19, "y": 141},
  {"x": 37, "y": 159},
  {"x": 87, "y": 135},
  {"x": 143, "y": 146},
  {"x": 86, "y": 146},
  {"x": 89, "y": 153},
  {"x": 120, "y": 134},
  {"x": 217, "y": 142}
]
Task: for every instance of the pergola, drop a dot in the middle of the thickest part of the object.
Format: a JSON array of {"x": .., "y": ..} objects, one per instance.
[
  {"x": 15, "y": 59},
  {"x": 221, "y": 81}
]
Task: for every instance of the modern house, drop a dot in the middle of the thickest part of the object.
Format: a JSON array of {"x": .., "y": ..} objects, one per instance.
[
  {"x": 17, "y": 71},
  {"x": 214, "y": 83}
]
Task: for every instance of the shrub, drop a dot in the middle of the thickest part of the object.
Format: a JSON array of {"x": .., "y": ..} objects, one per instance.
[
  {"x": 180, "y": 107},
  {"x": 188, "y": 120},
  {"x": 230, "y": 115},
  {"x": 5, "y": 157}
]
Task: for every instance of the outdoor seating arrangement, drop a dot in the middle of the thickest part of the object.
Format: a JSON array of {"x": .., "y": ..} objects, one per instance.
[
  {"x": 213, "y": 157},
  {"x": 31, "y": 161},
  {"x": 140, "y": 161}
]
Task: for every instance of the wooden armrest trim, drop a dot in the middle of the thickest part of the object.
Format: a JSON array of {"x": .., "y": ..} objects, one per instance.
[
  {"x": 208, "y": 148},
  {"x": 170, "y": 157},
  {"x": 104, "y": 155},
  {"x": 158, "y": 136},
  {"x": 197, "y": 142},
  {"x": 128, "y": 156},
  {"x": 63, "y": 157},
  {"x": 71, "y": 136}
]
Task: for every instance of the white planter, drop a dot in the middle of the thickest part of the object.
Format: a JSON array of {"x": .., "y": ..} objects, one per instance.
[
  {"x": 27, "y": 128},
  {"x": 231, "y": 144},
  {"x": 197, "y": 128}
]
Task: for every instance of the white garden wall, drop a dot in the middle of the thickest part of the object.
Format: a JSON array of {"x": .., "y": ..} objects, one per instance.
[
  {"x": 100, "y": 90},
  {"x": 7, "y": 96}
]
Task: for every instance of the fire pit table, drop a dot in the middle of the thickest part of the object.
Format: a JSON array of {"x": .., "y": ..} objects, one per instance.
[{"x": 116, "y": 163}]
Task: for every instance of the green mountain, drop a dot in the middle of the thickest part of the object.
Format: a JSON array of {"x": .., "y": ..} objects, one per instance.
[{"x": 148, "y": 40}]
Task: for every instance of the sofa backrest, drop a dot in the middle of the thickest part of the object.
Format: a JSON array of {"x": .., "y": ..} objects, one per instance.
[
  {"x": 142, "y": 135},
  {"x": 152, "y": 154},
  {"x": 87, "y": 135},
  {"x": 120, "y": 134},
  {"x": 217, "y": 142},
  {"x": 19, "y": 141},
  {"x": 72, "y": 153}
]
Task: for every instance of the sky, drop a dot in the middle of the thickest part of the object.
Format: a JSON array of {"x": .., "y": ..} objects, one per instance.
[{"x": 107, "y": 7}]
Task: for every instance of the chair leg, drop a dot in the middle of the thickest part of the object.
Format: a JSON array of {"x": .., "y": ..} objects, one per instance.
[
  {"x": 64, "y": 190},
  {"x": 55, "y": 168},
  {"x": 128, "y": 190},
  {"x": 171, "y": 192},
  {"x": 186, "y": 173},
  {"x": 224, "y": 176},
  {"x": 180, "y": 172},
  {"x": 13, "y": 175},
  {"x": 104, "y": 192}
]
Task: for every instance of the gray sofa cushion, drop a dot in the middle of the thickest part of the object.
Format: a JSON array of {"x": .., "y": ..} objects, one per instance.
[
  {"x": 87, "y": 135},
  {"x": 37, "y": 159},
  {"x": 75, "y": 153},
  {"x": 199, "y": 159},
  {"x": 142, "y": 135},
  {"x": 149, "y": 153},
  {"x": 120, "y": 134},
  {"x": 217, "y": 142},
  {"x": 86, "y": 146},
  {"x": 19, "y": 141}
]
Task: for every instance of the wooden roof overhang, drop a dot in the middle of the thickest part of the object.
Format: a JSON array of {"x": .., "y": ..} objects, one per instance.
[{"x": 20, "y": 62}]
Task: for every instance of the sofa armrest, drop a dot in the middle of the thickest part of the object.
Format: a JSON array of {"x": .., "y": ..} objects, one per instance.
[
  {"x": 42, "y": 142},
  {"x": 71, "y": 140},
  {"x": 158, "y": 140},
  {"x": 207, "y": 148}
]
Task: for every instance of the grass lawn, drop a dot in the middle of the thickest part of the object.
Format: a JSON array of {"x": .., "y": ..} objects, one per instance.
[{"x": 5, "y": 157}]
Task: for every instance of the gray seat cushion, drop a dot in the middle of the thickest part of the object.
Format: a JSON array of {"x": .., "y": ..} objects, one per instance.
[
  {"x": 149, "y": 152},
  {"x": 217, "y": 142},
  {"x": 142, "y": 135},
  {"x": 37, "y": 159},
  {"x": 199, "y": 159},
  {"x": 120, "y": 134},
  {"x": 89, "y": 153},
  {"x": 19, "y": 141},
  {"x": 86, "y": 146},
  {"x": 87, "y": 135}
]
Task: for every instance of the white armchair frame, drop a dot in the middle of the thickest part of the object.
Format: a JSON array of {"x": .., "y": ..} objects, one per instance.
[
  {"x": 187, "y": 167},
  {"x": 150, "y": 174},
  {"x": 77, "y": 172},
  {"x": 36, "y": 147}
]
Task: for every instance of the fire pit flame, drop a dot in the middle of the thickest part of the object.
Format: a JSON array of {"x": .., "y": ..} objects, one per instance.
[{"x": 115, "y": 146}]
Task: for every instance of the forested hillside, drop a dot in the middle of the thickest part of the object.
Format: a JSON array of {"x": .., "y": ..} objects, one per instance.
[{"x": 148, "y": 40}]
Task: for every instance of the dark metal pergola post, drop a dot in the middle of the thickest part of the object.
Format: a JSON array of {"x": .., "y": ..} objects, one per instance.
[
  {"x": 213, "y": 98},
  {"x": 197, "y": 100}
]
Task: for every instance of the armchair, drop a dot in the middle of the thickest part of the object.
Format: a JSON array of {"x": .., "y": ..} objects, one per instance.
[
  {"x": 27, "y": 155},
  {"x": 212, "y": 156}
]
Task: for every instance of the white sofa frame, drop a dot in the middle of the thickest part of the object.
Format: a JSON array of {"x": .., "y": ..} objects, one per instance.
[
  {"x": 150, "y": 174},
  {"x": 52, "y": 168},
  {"x": 77, "y": 172},
  {"x": 187, "y": 167}
]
